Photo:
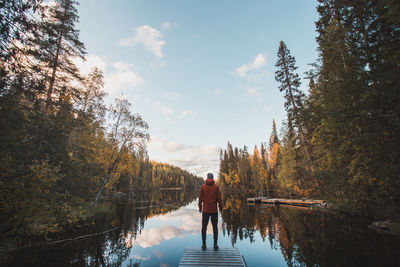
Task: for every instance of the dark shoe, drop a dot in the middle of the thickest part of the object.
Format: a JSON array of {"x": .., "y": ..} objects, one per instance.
[
  {"x": 203, "y": 247},
  {"x": 215, "y": 247}
]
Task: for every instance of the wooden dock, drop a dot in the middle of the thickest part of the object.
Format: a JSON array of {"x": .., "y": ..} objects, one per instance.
[
  {"x": 195, "y": 256},
  {"x": 283, "y": 201}
]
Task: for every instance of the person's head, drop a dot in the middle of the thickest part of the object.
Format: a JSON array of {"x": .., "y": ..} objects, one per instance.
[{"x": 210, "y": 176}]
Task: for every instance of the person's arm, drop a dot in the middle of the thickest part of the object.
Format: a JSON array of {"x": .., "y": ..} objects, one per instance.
[
  {"x": 201, "y": 199},
  {"x": 219, "y": 199}
]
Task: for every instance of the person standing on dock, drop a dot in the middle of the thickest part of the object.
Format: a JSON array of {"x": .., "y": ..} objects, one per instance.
[{"x": 209, "y": 197}]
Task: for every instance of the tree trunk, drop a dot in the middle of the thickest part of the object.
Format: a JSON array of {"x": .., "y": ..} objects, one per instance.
[
  {"x": 106, "y": 180},
  {"x": 53, "y": 75}
]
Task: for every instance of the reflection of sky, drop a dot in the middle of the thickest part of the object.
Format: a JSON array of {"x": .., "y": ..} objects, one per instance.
[
  {"x": 164, "y": 238},
  {"x": 175, "y": 224}
]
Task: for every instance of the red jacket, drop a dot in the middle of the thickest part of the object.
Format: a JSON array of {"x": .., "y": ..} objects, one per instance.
[{"x": 209, "y": 196}]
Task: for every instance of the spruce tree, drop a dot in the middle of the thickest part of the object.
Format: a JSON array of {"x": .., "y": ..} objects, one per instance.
[
  {"x": 55, "y": 46},
  {"x": 274, "y": 135},
  {"x": 15, "y": 27},
  {"x": 290, "y": 84}
]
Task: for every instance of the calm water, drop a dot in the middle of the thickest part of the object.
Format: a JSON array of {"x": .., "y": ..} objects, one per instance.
[{"x": 154, "y": 229}]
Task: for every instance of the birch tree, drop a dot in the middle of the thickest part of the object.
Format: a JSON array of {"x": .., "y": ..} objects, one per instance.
[{"x": 127, "y": 133}]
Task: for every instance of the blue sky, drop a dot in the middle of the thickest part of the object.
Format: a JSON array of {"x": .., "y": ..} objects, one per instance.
[{"x": 201, "y": 73}]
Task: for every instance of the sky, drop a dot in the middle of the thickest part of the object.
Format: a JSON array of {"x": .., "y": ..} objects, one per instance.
[{"x": 200, "y": 73}]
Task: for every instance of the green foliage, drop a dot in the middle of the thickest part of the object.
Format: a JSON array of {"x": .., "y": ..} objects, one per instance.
[
  {"x": 341, "y": 141},
  {"x": 358, "y": 102},
  {"x": 289, "y": 82},
  {"x": 154, "y": 175},
  {"x": 350, "y": 119},
  {"x": 245, "y": 172},
  {"x": 60, "y": 146}
]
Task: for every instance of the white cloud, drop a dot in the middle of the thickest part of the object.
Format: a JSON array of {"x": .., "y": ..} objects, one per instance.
[
  {"x": 123, "y": 66},
  {"x": 184, "y": 220},
  {"x": 196, "y": 159},
  {"x": 187, "y": 113},
  {"x": 150, "y": 38},
  {"x": 91, "y": 61},
  {"x": 155, "y": 236},
  {"x": 166, "y": 145},
  {"x": 168, "y": 26},
  {"x": 259, "y": 61},
  {"x": 123, "y": 77},
  {"x": 172, "y": 96}
]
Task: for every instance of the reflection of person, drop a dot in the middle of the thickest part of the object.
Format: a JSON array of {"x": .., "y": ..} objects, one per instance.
[{"x": 209, "y": 196}]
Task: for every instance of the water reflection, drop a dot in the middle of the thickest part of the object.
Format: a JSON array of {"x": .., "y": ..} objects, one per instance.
[
  {"x": 113, "y": 248},
  {"x": 153, "y": 230},
  {"x": 308, "y": 238}
]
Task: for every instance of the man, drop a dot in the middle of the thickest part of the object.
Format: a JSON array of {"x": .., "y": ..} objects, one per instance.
[{"x": 209, "y": 196}]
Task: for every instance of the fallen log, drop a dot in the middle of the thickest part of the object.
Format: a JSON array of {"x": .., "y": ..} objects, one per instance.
[
  {"x": 305, "y": 208},
  {"x": 283, "y": 201}
]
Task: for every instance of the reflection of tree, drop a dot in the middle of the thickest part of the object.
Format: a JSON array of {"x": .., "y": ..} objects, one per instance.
[
  {"x": 110, "y": 249},
  {"x": 306, "y": 237},
  {"x": 238, "y": 220},
  {"x": 135, "y": 263}
]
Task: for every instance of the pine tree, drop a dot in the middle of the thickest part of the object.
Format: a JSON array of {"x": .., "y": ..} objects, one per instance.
[
  {"x": 16, "y": 27},
  {"x": 55, "y": 46},
  {"x": 289, "y": 84}
]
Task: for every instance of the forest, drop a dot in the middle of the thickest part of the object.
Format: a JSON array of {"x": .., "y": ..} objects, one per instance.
[
  {"x": 305, "y": 237},
  {"x": 340, "y": 141},
  {"x": 61, "y": 147}
]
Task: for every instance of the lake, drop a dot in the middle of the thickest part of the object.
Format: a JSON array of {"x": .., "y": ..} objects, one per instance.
[{"x": 153, "y": 230}]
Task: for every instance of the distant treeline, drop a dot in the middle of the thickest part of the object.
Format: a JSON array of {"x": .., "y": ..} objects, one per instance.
[
  {"x": 154, "y": 175},
  {"x": 61, "y": 147},
  {"x": 340, "y": 142}
]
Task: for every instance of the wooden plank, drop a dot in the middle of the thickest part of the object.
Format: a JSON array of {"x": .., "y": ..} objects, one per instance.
[{"x": 195, "y": 256}]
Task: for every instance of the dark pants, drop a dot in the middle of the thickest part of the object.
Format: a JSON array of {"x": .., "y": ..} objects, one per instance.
[{"x": 214, "y": 221}]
